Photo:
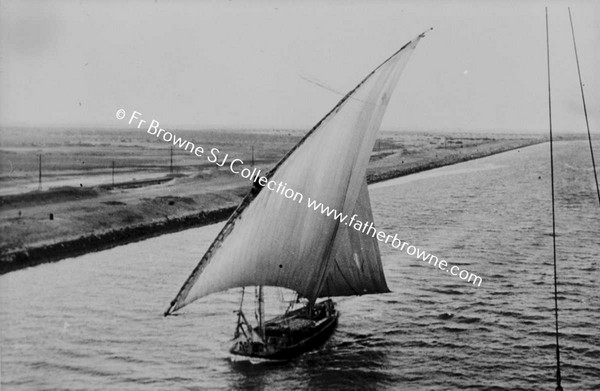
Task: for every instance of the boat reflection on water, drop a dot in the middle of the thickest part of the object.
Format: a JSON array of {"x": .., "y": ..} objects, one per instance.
[{"x": 346, "y": 360}]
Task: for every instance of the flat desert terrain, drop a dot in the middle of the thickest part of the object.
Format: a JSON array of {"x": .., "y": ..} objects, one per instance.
[{"x": 82, "y": 206}]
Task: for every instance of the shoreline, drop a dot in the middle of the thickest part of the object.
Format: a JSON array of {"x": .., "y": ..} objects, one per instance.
[
  {"x": 447, "y": 161},
  {"x": 54, "y": 252},
  {"x": 21, "y": 258}
]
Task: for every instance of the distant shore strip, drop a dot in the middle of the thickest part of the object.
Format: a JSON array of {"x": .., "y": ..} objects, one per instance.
[{"x": 234, "y": 166}]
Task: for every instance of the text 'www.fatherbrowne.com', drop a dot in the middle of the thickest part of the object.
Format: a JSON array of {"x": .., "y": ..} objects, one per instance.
[
  {"x": 367, "y": 228},
  {"x": 236, "y": 166}
]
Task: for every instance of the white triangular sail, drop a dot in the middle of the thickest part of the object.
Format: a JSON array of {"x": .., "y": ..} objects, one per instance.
[
  {"x": 275, "y": 241},
  {"x": 355, "y": 265}
]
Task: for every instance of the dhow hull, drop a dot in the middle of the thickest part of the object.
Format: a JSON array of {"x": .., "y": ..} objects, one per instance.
[{"x": 290, "y": 336}]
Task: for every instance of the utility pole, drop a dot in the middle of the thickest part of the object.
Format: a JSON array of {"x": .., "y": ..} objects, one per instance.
[
  {"x": 253, "y": 156},
  {"x": 40, "y": 173},
  {"x": 171, "y": 166}
]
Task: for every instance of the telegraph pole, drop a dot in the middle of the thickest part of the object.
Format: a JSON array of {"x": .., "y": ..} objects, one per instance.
[
  {"x": 40, "y": 173},
  {"x": 171, "y": 166}
]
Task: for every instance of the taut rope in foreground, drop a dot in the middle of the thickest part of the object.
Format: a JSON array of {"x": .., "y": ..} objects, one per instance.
[
  {"x": 558, "y": 379},
  {"x": 587, "y": 123}
]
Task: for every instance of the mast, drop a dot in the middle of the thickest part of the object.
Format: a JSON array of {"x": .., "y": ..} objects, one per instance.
[
  {"x": 261, "y": 312},
  {"x": 558, "y": 377}
]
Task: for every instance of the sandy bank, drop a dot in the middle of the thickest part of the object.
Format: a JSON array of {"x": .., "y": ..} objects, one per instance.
[
  {"x": 21, "y": 258},
  {"x": 217, "y": 207}
]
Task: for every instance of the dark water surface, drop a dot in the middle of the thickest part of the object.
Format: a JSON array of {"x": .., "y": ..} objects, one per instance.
[{"x": 95, "y": 322}]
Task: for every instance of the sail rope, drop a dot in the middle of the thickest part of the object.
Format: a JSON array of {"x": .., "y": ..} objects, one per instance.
[
  {"x": 558, "y": 377},
  {"x": 293, "y": 302},
  {"x": 256, "y": 304},
  {"x": 328, "y": 251},
  {"x": 356, "y": 291},
  {"x": 282, "y": 302},
  {"x": 242, "y": 299},
  {"x": 587, "y": 123},
  {"x": 239, "y": 326}
]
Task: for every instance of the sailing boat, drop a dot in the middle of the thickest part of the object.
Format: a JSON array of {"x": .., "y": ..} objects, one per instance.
[{"x": 271, "y": 240}]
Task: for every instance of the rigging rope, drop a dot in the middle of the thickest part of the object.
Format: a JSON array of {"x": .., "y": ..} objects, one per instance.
[
  {"x": 242, "y": 300},
  {"x": 558, "y": 378},
  {"x": 587, "y": 123},
  {"x": 256, "y": 304}
]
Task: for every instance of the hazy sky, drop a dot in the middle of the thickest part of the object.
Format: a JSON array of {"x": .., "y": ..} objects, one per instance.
[{"x": 267, "y": 64}]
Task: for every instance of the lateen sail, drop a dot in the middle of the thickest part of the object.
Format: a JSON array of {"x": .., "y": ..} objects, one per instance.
[{"x": 275, "y": 241}]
